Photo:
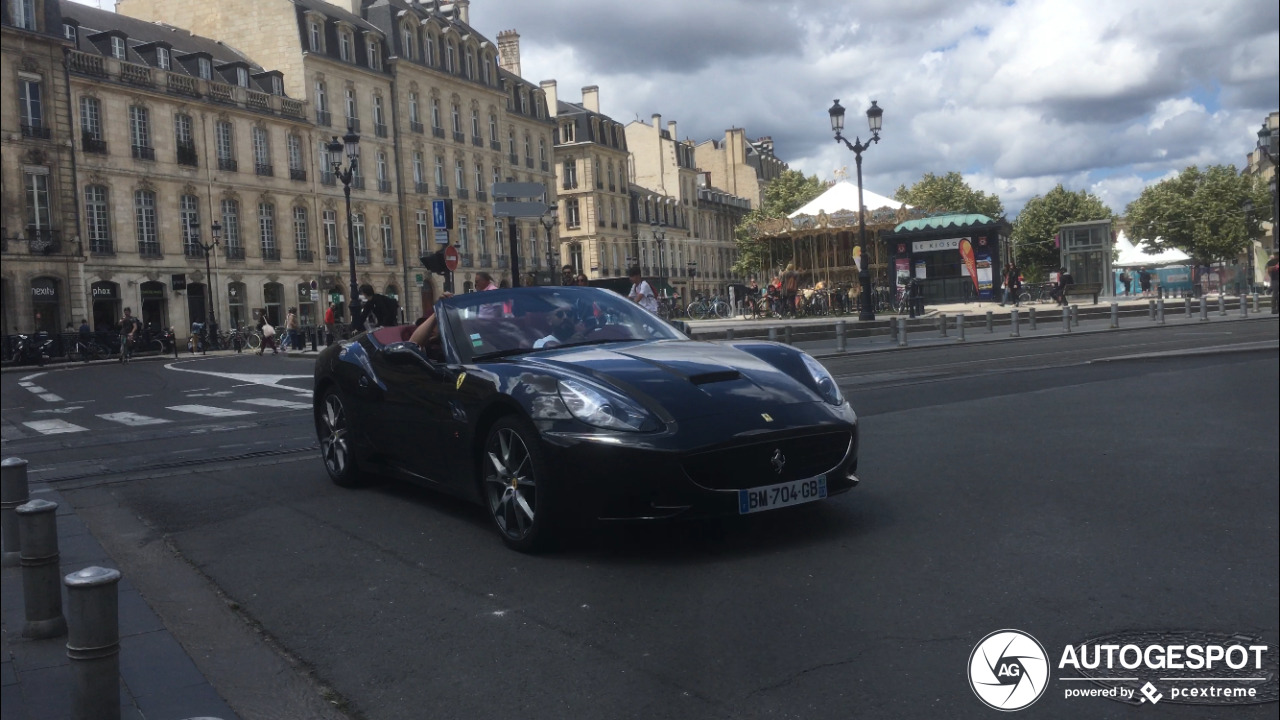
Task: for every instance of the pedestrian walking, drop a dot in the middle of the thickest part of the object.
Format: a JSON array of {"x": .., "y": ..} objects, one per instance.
[
  {"x": 1126, "y": 280},
  {"x": 268, "y": 333},
  {"x": 790, "y": 286},
  {"x": 330, "y": 317},
  {"x": 1064, "y": 281},
  {"x": 1144, "y": 282},
  {"x": 291, "y": 329}
]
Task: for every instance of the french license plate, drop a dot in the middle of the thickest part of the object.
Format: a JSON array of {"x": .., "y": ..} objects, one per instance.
[{"x": 770, "y": 497}]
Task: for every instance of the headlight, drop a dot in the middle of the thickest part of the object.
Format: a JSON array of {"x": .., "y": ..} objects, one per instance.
[
  {"x": 822, "y": 381},
  {"x": 597, "y": 407}
]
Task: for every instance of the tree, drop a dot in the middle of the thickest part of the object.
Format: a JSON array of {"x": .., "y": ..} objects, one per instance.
[
  {"x": 949, "y": 193},
  {"x": 1200, "y": 212},
  {"x": 1037, "y": 224},
  {"x": 782, "y": 196}
]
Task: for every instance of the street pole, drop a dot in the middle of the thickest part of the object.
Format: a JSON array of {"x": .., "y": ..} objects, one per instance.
[
  {"x": 514, "y": 244},
  {"x": 353, "y": 301},
  {"x": 866, "y": 306},
  {"x": 351, "y": 144}
]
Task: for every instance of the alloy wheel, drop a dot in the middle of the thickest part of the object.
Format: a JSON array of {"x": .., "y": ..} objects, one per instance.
[
  {"x": 510, "y": 484},
  {"x": 334, "y": 444}
]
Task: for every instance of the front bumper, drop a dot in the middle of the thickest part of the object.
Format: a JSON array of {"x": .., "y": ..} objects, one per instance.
[{"x": 674, "y": 474}]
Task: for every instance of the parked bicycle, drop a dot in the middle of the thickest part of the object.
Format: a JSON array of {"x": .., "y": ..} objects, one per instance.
[
  {"x": 702, "y": 308},
  {"x": 1042, "y": 292},
  {"x": 87, "y": 349}
]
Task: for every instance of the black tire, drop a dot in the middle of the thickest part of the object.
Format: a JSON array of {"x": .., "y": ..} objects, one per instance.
[
  {"x": 514, "y": 481},
  {"x": 333, "y": 429}
]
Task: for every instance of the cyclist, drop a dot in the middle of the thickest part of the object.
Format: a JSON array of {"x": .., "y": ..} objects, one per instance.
[{"x": 130, "y": 326}]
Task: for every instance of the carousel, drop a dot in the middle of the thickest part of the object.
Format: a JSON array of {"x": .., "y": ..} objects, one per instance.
[{"x": 822, "y": 238}]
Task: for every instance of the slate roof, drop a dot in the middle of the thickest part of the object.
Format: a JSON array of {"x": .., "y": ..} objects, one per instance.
[{"x": 141, "y": 32}]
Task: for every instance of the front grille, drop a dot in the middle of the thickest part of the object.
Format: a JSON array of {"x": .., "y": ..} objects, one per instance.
[{"x": 748, "y": 466}]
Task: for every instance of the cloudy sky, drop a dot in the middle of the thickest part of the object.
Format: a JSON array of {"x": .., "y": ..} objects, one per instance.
[{"x": 1103, "y": 95}]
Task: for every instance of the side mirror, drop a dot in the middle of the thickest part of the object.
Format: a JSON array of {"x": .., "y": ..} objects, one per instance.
[{"x": 408, "y": 353}]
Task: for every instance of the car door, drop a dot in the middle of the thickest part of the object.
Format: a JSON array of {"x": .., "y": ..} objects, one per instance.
[{"x": 415, "y": 406}]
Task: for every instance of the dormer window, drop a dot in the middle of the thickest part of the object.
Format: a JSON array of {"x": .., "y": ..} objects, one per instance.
[
  {"x": 204, "y": 68},
  {"x": 315, "y": 34},
  {"x": 24, "y": 14},
  {"x": 162, "y": 58},
  {"x": 117, "y": 47},
  {"x": 344, "y": 46},
  {"x": 407, "y": 41},
  {"x": 488, "y": 70},
  {"x": 429, "y": 56},
  {"x": 69, "y": 31},
  {"x": 448, "y": 56},
  {"x": 277, "y": 85},
  {"x": 242, "y": 77},
  {"x": 375, "y": 57},
  {"x": 524, "y": 103}
]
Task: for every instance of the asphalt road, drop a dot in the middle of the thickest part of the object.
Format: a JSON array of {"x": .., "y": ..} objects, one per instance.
[{"x": 1026, "y": 485}]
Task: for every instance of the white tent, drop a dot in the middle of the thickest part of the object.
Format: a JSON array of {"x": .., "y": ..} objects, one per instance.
[
  {"x": 1136, "y": 256},
  {"x": 844, "y": 196}
]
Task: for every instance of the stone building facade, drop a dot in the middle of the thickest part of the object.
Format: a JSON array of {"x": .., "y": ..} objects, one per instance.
[
  {"x": 440, "y": 114},
  {"x": 593, "y": 190},
  {"x": 740, "y": 166},
  {"x": 43, "y": 256}
]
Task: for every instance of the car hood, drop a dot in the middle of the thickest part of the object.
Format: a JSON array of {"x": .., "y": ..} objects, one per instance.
[{"x": 688, "y": 379}]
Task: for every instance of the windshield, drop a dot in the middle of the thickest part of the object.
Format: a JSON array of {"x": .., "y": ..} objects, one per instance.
[{"x": 495, "y": 323}]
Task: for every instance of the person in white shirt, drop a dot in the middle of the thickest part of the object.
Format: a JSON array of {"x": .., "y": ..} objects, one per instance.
[
  {"x": 564, "y": 329},
  {"x": 641, "y": 291}
]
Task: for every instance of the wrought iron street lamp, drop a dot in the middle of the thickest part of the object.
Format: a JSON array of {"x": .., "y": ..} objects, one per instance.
[
  {"x": 351, "y": 144},
  {"x": 216, "y": 231},
  {"x": 867, "y": 307},
  {"x": 549, "y": 221},
  {"x": 658, "y": 236}
]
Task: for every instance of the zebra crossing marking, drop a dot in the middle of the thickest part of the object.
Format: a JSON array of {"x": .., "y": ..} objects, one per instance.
[
  {"x": 276, "y": 403},
  {"x": 209, "y": 410},
  {"x": 132, "y": 419},
  {"x": 54, "y": 427}
]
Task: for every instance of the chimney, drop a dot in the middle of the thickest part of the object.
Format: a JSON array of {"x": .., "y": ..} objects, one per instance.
[
  {"x": 553, "y": 102},
  {"x": 591, "y": 98},
  {"x": 671, "y": 129},
  {"x": 509, "y": 51},
  {"x": 657, "y": 121},
  {"x": 766, "y": 142},
  {"x": 463, "y": 10}
]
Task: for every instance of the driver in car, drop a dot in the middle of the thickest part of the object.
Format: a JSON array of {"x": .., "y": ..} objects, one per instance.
[{"x": 564, "y": 328}]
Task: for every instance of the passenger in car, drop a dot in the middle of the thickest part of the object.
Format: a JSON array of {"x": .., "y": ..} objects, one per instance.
[{"x": 427, "y": 336}]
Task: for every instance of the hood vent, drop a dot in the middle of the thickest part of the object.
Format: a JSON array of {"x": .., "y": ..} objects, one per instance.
[{"x": 715, "y": 377}]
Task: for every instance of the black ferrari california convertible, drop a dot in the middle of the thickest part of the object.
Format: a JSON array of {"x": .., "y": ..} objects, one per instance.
[{"x": 553, "y": 404}]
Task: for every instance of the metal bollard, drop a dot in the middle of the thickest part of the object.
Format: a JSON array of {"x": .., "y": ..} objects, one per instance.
[
  {"x": 841, "y": 340},
  {"x": 942, "y": 324},
  {"x": 1222, "y": 303},
  {"x": 773, "y": 334},
  {"x": 315, "y": 339},
  {"x": 1031, "y": 318},
  {"x": 893, "y": 330},
  {"x": 902, "y": 332},
  {"x": 1115, "y": 315},
  {"x": 1244, "y": 307},
  {"x": 991, "y": 324},
  {"x": 1066, "y": 319},
  {"x": 1016, "y": 323},
  {"x": 728, "y": 333},
  {"x": 1204, "y": 309},
  {"x": 786, "y": 334},
  {"x": 1255, "y": 303},
  {"x": 1151, "y": 310},
  {"x": 1160, "y": 311},
  {"x": 93, "y": 643},
  {"x": 960, "y": 326},
  {"x": 13, "y": 492},
  {"x": 41, "y": 583},
  {"x": 1186, "y": 310},
  {"x": 1075, "y": 315}
]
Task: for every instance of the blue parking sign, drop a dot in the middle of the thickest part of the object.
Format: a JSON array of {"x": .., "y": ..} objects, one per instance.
[{"x": 442, "y": 214}]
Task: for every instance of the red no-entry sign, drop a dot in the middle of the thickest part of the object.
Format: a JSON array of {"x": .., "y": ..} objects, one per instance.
[{"x": 451, "y": 258}]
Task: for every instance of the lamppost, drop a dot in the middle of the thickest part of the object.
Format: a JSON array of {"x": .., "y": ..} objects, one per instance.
[
  {"x": 1269, "y": 144},
  {"x": 658, "y": 236},
  {"x": 874, "y": 113},
  {"x": 549, "y": 220},
  {"x": 216, "y": 231},
  {"x": 351, "y": 143}
]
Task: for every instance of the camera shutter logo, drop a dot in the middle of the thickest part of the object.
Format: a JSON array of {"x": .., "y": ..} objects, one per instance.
[{"x": 1008, "y": 670}]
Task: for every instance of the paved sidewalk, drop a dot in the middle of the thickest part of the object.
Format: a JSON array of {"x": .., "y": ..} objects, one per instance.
[{"x": 158, "y": 679}]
